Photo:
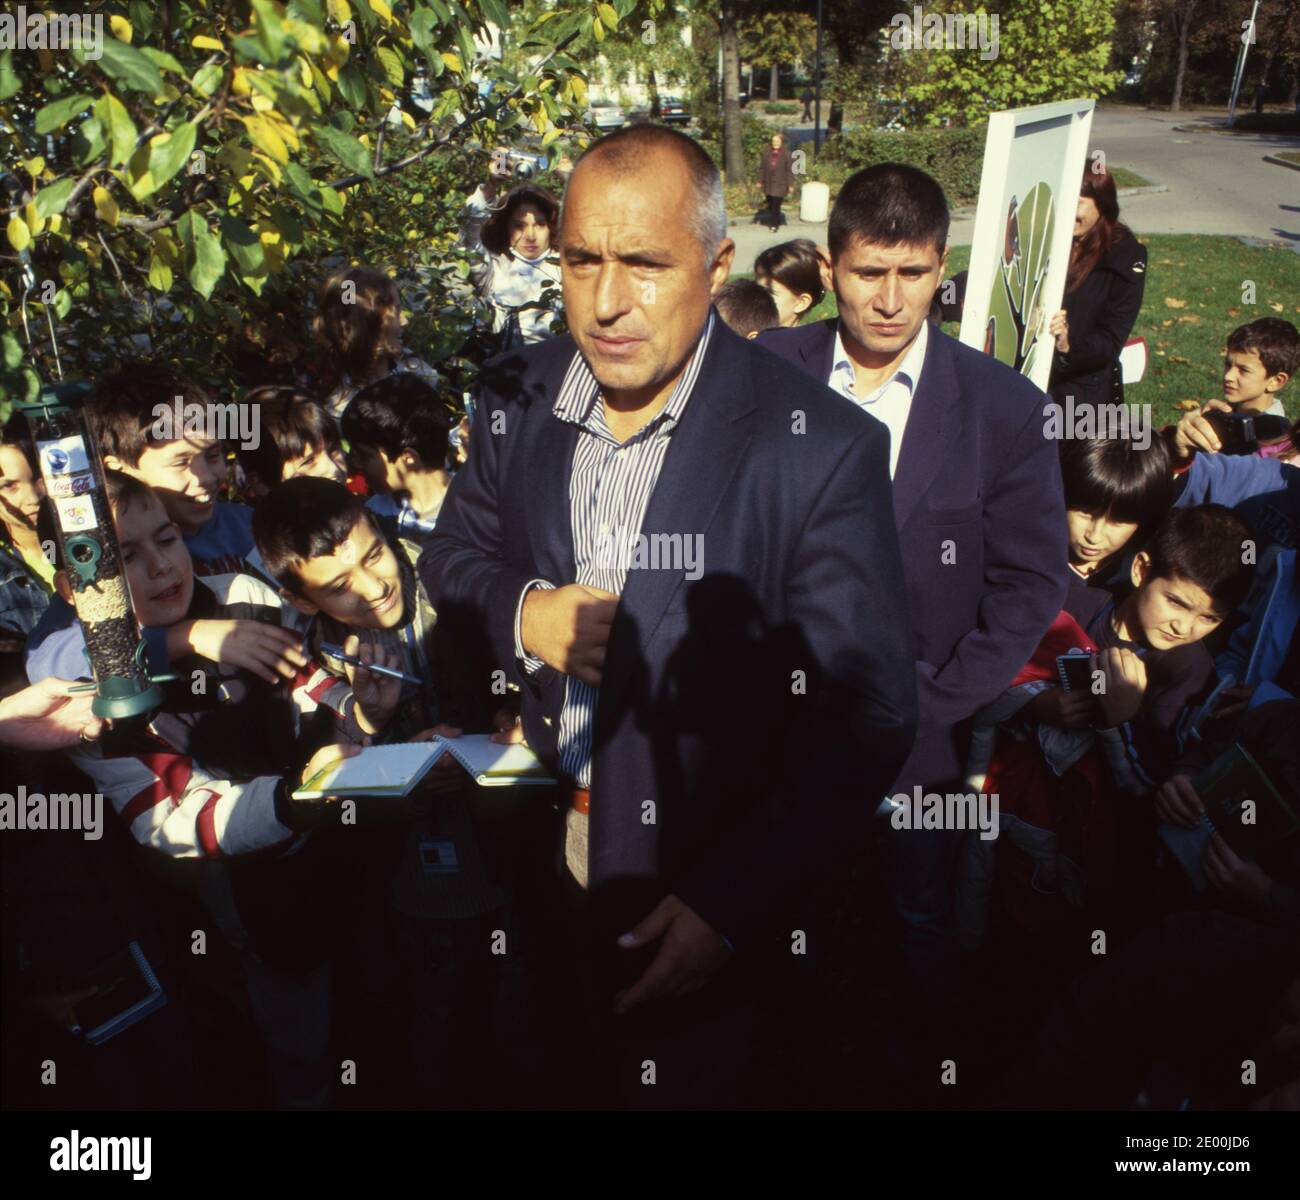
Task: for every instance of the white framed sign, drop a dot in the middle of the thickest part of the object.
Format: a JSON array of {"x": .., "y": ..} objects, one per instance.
[{"x": 1034, "y": 159}]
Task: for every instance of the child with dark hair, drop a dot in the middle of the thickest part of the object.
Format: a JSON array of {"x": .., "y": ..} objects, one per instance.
[
  {"x": 26, "y": 571},
  {"x": 1191, "y": 574},
  {"x": 746, "y": 308},
  {"x": 336, "y": 567},
  {"x": 1115, "y": 494},
  {"x": 1261, "y": 357},
  {"x": 795, "y": 273},
  {"x": 298, "y": 437},
  {"x": 358, "y": 323},
  {"x": 517, "y": 273},
  {"x": 397, "y": 432},
  {"x": 186, "y": 471}
]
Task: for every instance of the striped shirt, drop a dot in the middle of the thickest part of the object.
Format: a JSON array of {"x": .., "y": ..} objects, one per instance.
[{"x": 609, "y": 492}]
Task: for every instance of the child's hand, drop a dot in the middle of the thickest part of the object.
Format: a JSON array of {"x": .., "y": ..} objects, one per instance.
[
  {"x": 1195, "y": 433},
  {"x": 1242, "y": 880},
  {"x": 376, "y": 695},
  {"x": 1125, "y": 683},
  {"x": 1066, "y": 710},
  {"x": 1059, "y": 328},
  {"x": 1178, "y": 804},
  {"x": 265, "y": 650}
]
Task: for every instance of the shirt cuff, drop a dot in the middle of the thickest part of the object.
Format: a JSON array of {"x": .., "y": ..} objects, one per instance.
[{"x": 530, "y": 662}]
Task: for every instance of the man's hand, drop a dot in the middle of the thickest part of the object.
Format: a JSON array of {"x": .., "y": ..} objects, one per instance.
[
  {"x": 44, "y": 717},
  {"x": 507, "y": 728},
  {"x": 1193, "y": 432},
  {"x": 1066, "y": 710},
  {"x": 1242, "y": 880},
  {"x": 1125, "y": 684},
  {"x": 376, "y": 695},
  {"x": 266, "y": 650},
  {"x": 1178, "y": 804},
  {"x": 1059, "y": 328},
  {"x": 689, "y": 955},
  {"x": 568, "y": 627}
]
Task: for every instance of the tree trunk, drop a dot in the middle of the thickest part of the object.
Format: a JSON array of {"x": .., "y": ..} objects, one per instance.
[
  {"x": 656, "y": 109},
  {"x": 1261, "y": 88},
  {"x": 774, "y": 87},
  {"x": 1183, "y": 18},
  {"x": 733, "y": 145}
]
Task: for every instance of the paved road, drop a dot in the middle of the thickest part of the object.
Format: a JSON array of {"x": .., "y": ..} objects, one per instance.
[{"x": 1218, "y": 183}]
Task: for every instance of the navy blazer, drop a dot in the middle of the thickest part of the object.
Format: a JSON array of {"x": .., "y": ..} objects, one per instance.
[
  {"x": 748, "y": 720},
  {"x": 981, "y": 520}
]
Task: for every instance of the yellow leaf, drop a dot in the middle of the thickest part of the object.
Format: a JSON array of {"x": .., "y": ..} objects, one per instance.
[
  {"x": 408, "y": 120},
  {"x": 452, "y": 61},
  {"x": 304, "y": 72},
  {"x": 1276, "y": 305},
  {"x": 268, "y": 165},
  {"x": 35, "y": 222},
  {"x": 285, "y": 130},
  {"x": 1170, "y": 302},
  {"x": 239, "y": 83},
  {"x": 385, "y": 13},
  {"x": 34, "y": 166},
  {"x": 262, "y": 103},
  {"x": 105, "y": 205},
  {"x": 341, "y": 11},
  {"x": 56, "y": 222},
  {"x": 550, "y": 135},
  {"x": 201, "y": 41},
  {"x": 20, "y": 237},
  {"x": 539, "y": 120},
  {"x": 579, "y": 88},
  {"x": 608, "y": 15},
  {"x": 121, "y": 28},
  {"x": 598, "y": 29},
  {"x": 332, "y": 72},
  {"x": 267, "y": 138}
]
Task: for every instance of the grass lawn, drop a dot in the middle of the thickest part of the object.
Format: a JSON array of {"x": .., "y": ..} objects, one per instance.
[
  {"x": 1288, "y": 155},
  {"x": 1193, "y": 300}
]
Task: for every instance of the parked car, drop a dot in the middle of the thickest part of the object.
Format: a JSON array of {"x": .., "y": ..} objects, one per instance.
[
  {"x": 607, "y": 116},
  {"x": 673, "y": 110}
]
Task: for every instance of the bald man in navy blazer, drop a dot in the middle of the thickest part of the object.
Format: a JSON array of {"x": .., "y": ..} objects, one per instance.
[
  {"x": 680, "y": 548},
  {"x": 976, "y": 493}
]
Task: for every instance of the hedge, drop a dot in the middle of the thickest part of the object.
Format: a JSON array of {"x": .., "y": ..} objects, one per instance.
[{"x": 955, "y": 157}]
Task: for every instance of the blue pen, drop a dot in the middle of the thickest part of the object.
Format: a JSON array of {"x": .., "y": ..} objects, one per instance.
[{"x": 331, "y": 651}]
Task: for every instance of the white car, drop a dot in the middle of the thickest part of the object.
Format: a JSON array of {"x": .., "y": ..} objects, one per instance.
[{"x": 607, "y": 116}]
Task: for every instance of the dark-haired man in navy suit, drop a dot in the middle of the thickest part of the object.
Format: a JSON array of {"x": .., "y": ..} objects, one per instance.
[
  {"x": 977, "y": 500},
  {"x": 681, "y": 550}
]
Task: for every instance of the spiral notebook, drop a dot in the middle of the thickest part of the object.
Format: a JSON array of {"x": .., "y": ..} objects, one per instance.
[
  {"x": 492, "y": 765},
  {"x": 127, "y": 991}
]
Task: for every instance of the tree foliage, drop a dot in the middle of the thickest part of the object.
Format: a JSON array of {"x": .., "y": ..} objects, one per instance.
[{"x": 178, "y": 194}]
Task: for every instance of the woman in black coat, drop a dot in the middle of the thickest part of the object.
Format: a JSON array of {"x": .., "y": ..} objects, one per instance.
[
  {"x": 776, "y": 177},
  {"x": 1103, "y": 293}
]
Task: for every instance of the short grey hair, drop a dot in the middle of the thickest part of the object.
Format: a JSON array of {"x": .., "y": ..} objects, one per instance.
[{"x": 626, "y": 147}]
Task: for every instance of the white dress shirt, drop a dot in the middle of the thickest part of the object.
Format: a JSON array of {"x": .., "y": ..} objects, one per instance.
[{"x": 891, "y": 402}]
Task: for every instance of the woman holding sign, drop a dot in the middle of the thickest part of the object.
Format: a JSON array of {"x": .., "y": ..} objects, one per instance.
[{"x": 1103, "y": 293}]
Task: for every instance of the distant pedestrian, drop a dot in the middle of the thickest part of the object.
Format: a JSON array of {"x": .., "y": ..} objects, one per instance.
[
  {"x": 807, "y": 99},
  {"x": 776, "y": 175}
]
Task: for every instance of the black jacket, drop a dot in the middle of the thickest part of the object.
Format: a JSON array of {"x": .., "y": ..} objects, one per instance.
[{"x": 1101, "y": 312}]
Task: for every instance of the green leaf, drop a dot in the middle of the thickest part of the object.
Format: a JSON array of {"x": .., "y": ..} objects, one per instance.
[
  {"x": 206, "y": 79},
  {"x": 444, "y": 13},
  {"x": 10, "y": 84},
  {"x": 13, "y": 351},
  {"x": 244, "y": 245},
  {"x": 495, "y": 12},
  {"x": 160, "y": 275},
  {"x": 350, "y": 152},
  {"x": 88, "y": 142},
  {"x": 62, "y": 303},
  {"x": 118, "y": 128},
  {"x": 169, "y": 157},
  {"x": 299, "y": 180},
  {"x": 58, "y": 113},
  {"x": 392, "y": 65},
  {"x": 129, "y": 67},
  {"x": 163, "y": 60},
  {"x": 206, "y": 258},
  {"x": 423, "y": 21},
  {"x": 269, "y": 30},
  {"x": 352, "y": 86},
  {"x": 53, "y": 199}
]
